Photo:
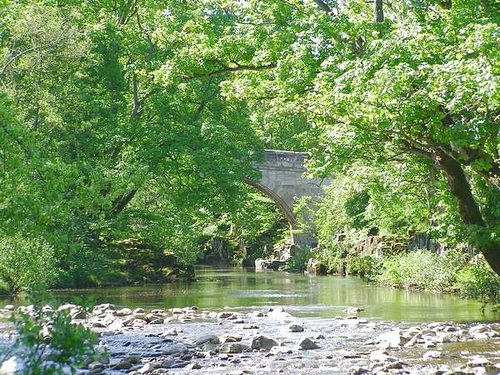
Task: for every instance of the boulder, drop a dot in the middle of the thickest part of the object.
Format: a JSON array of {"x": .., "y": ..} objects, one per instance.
[
  {"x": 308, "y": 344},
  {"x": 296, "y": 328},
  {"x": 123, "y": 312},
  {"x": 234, "y": 347},
  {"x": 175, "y": 349},
  {"x": 315, "y": 267},
  {"x": 211, "y": 339},
  {"x": 263, "y": 343},
  {"x": 391, "y": 339}
]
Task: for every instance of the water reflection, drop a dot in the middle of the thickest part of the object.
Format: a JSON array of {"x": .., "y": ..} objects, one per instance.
[{"x": 303, "y": 295}]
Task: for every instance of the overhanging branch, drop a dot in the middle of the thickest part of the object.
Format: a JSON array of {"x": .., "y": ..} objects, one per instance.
[{"x": 230, "y": 69}]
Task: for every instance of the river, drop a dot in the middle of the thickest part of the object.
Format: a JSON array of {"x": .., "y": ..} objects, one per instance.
[{"x": 303, "y": 295}]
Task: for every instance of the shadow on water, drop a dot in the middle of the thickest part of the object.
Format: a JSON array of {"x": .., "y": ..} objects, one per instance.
[{"x": 303, "y": 295}]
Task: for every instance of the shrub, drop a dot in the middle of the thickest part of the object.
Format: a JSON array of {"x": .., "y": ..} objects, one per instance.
[
  {"x": 333, "y": 257},
  {"x": 26, "y": 263},
  {"x": 48, "y": 343},
  {"x": 365, "y": 267},
  {"x": 421, "y": 270},
  {"x": 298, "y": 260},
  {"x": 477, "y": 280}
]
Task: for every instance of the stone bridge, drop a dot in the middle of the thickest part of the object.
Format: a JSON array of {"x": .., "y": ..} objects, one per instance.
[{"x": 283, "y": 181}]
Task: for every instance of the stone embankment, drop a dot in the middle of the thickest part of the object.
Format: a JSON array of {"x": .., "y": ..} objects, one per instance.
[{"x": 193, "y": 341}]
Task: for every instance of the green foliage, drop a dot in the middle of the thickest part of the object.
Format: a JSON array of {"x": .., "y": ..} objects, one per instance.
[
  {"x": 141, "y": 120},
  {"x": 333, "y": 256},
  {"x": 477, "y": 280},
  {"x": 420, "y": 270},
  {"x": 452, "y": 273},
  {"x": 49, "y": 344},
  {"x": 26, "y": 263},
  {"x": 113, "y": 131},
  {"x": 298, "y": 260},
  {"x": 395, "y": 99},
  {"x": 365, "y": 267}
]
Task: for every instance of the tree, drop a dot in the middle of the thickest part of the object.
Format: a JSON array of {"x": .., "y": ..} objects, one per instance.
[
  {"x": 109, "y": 143},
  {"x": 419, "y": 87},
  {"x": 26, "y": 263}
]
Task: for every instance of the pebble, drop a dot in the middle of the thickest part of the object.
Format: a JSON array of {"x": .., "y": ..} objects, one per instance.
[{"x": 223, "y": 337}]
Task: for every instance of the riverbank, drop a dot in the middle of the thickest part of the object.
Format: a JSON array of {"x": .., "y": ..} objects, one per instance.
[{"x": 195, "y": 341}]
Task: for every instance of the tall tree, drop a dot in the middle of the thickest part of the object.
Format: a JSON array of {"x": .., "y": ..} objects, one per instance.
[{"x": 422, "y": 85}]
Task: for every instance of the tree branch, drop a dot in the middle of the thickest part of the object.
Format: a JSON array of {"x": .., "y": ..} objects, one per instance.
[
  {"x": 230, "y": 69},
  {"x": 324, "y": 7}
]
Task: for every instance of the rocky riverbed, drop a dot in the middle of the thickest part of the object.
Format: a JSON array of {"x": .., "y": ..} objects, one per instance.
[{"x": 193, "y": 341}]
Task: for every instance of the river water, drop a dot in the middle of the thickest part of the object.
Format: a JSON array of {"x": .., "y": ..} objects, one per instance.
[{"x": 303, "y": 295}]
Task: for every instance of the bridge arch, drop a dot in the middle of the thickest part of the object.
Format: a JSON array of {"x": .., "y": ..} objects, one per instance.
[
  {"x": 280, "y": 202},
  {"x": 283, "y": 181}
]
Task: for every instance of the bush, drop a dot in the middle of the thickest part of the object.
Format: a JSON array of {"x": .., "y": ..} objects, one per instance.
[
  {"x": 298, "y": 261},
  {"x": 48, "y": 343},
  {"x": 333, "y": 257},
  {"x": 452, "y": 273},
  {"x": 26, "y": 263},
  {"x": 421, "y": 270},
  {"x": 365, "y": 267},
  {"x": 477, "y": 280}
]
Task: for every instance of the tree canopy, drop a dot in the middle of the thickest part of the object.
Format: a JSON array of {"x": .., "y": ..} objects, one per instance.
[{"x": 141, "y": 119}]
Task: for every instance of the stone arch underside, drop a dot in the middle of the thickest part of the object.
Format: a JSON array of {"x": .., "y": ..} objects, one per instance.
[
  {"x": 280, "y": 202},
  {"x": 282, "y": 179}
]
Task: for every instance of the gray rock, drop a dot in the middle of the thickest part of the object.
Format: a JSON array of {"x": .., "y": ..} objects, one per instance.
[
  {"x": 357, "y": 370},
  {"x": 127, "y": 363},
  {"x": 78, "y": 313},
  {"x": 225, "y": 315},
  {"x": 95, "y": 366},
  {"x": 176, "y": 363},
  {"x": 234, "y": 347},
  {"x": 391, "y": 339},
  {"x": 128, "y": 321},
  {"x": 351, "y": 355},
  {"x": 124, "y": 312},
  {"x": 308, "y": 344},
  {"x": 263, "y": 343},
  {"x": 381, "y": 357},
  {"x": 64, "y": 307},
  {"x": 431, "y": 354},
  {"x": 280, "y": 350},
  {"x": 156, "y": 321},
  {"x": 233, "y": 339},
  {"x": 171, "y": 332},
  {"x": 296, "y": 328},
  {"x": 97, "y": 323},
  {"x": 211, "y": 339},
  {"x": 146, "y": 369},
  {"x": 175, "y": 349},
  {"x": 105, "y": 307},
  {"x": 478, "y": 361},
  {"x": 158, "y": 311},
  {"x": 193, "y": 366},
  {"x": 250, "y": 326}
]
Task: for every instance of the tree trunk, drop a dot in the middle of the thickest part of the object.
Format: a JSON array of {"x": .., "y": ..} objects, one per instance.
[
  {"x": 379, "y": 11},
  {"x": 467, "y": 206}
]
